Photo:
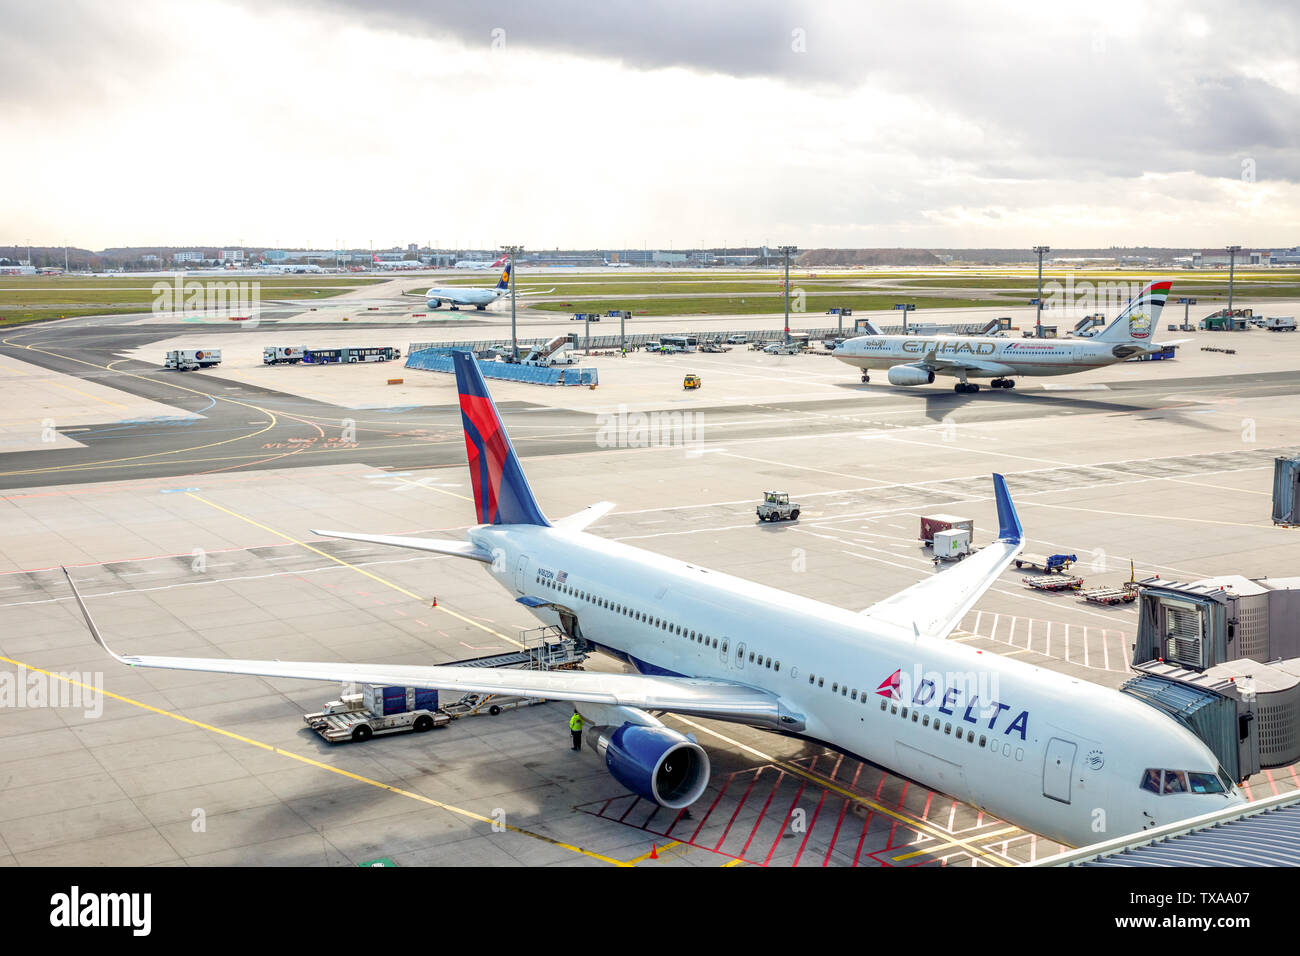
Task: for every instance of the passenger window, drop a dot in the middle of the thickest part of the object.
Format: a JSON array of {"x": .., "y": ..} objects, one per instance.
[
  {"x": 835, "y": 687},
  {"x": 983, "y": 740},
  {"x": 925, "y": 721},
  {"x": 775, "y": 667},
  {"x": 883, "y": 705},
  {"x": 768, "y": 665},
  {"x": 1175, "y": 782},
  {"x": 947, "y": 728},
  {"x": 821, "y": 682},
  {"x": 913, "y": 716},
  {"x": 853, "y": 695},
  {"x": 751, "y": 657}
]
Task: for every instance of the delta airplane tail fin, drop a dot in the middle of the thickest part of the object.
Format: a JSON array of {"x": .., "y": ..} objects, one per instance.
[
  {"x": 501, "y": 492},
  {"x": 504, "y": 281},
  {"x": 1136, "y": 325}
]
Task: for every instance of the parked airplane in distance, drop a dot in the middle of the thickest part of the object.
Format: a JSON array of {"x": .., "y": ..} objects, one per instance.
[
  {"x": 917, "y": 359},
  {"x": 479, "y": 263},
  {"x": 480, "y": 298},
  {"x": 1056, "y": 755}
]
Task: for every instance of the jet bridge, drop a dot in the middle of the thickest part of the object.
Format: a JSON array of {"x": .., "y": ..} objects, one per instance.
[{"x": 1222, "y": 656}]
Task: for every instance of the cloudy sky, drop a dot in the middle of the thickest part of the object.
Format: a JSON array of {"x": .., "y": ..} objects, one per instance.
[{"x": 670, "y": 123}]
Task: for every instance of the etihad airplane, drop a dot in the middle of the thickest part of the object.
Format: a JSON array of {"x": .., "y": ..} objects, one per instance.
[
  {"x": 1050, "y": 753},
  {"x": 917, "y": 359},
  {"x": 456, "y": 296}
]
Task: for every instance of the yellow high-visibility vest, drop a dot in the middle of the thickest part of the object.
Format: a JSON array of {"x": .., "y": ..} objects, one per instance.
[{"x": 575, "y": 722}]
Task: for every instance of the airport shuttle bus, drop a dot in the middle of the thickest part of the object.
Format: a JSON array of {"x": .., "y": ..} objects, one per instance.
[{"x": 350, "y": 355}]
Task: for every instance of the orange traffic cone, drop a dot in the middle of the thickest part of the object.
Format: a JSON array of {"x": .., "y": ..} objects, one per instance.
[
  {"x": 654, "y": 852},
  {"x": 435, "y": 603}
]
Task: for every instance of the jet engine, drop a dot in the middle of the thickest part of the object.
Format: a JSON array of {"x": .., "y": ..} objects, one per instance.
[
  {"x": 655, "y": 762},
  {"x": 910, "y": 375},
  {"x": 434, "y": 303}
]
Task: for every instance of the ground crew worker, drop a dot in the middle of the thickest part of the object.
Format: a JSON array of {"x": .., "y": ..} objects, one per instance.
[{"x": 575, "y": 727}]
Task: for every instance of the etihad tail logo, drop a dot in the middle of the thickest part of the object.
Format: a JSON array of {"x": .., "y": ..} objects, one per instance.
[
  {"x": 889, "y": 686},
  {"x": 1139, "y": 325}
]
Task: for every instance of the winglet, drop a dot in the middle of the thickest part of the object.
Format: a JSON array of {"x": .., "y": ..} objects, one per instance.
[
  {"x": 90, "y": 621},
  {"x": 1008, "y": 521}
]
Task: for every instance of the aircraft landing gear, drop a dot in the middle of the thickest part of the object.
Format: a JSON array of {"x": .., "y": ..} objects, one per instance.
[
  {"x": 866, "y": 377},
  {"x": 1002, "y": 383},
  {"x": 965, "y": 387}
]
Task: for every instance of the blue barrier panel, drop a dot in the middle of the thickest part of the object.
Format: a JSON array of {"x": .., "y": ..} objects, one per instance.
[{"x": 438, "y": 359}]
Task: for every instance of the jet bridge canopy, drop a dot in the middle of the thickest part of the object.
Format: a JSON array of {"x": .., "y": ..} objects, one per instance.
[{"x": 1203, "y": 710}]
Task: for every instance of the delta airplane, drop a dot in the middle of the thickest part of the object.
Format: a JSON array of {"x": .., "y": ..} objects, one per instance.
[
  {"x": 916, "y": 359},
  {"x": 479, "y": 298},
  {"x": 1055, "y": 755}
]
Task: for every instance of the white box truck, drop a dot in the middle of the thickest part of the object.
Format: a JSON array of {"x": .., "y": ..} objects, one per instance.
[
  {"x": 1280, "y": 323},
  {"x": 187, "y": 360},
  {"x": 282, "y": 355}
]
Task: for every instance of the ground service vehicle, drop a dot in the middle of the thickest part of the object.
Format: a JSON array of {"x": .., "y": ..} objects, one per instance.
[
  {"x": 691, "y": 381},
  {"x": 777, "y": 506}
]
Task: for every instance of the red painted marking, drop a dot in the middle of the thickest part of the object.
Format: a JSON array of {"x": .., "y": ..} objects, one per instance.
[
  {"x": 780, "y": 833},
  {"x": 743, "y": 797},
  {"x": 713, "y": 806},
  {"x": 839, "y": 822},
  {"x": 925, "y": 812},
  {"x": 635, "y": 801},
  {"x": 762, "y": 813},
  {"x": 808, "y": 833},
  {"x": 1271, "y": 782},
  {"x": 863, "y": 837}
]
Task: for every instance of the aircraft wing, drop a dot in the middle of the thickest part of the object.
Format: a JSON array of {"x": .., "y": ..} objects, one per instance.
[
  {"x": 519, "y": 292},
  {"x": 934, "y": 606},
  {"x": 723, "y": 700},
  {"x": 937, "y": 363},
  {"x": 458, "y": 549}
]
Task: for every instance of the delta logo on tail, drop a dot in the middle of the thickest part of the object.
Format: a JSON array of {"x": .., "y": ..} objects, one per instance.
[{"x": 501, "y": 494}]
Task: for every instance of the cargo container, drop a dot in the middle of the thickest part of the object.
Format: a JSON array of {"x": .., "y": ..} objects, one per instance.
[{"x": 932, "y": 523}]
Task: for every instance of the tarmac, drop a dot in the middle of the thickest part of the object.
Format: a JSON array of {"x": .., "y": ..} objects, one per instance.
[{"x": 184, "y": 506}]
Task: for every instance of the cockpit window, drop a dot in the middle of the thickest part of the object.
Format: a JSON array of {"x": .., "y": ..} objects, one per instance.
[
  {"x": 1175, "y": 781},
  {"x": 1186, "y": 781},
  {"x": 1203, "y": 782}
]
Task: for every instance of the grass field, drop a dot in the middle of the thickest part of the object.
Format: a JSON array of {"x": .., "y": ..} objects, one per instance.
[{"x": 30, "y": 299}]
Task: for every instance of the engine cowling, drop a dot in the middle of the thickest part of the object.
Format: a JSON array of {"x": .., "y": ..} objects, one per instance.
[
  {"x": 910, "y": 375},
  {"x": 654, "y": 762},
  {"x": 433, "y": 303}
]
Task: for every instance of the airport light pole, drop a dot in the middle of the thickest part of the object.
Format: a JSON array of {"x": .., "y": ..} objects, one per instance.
[
  {"x": 785, "y": 252},
  {"x": 1232, "y": 262},
  {"x": 1187, "y": 307},
  {"x": 512, "y": 252},
  {"x": 1038, "y": 323},
  {"x": 905, "y": 307}
]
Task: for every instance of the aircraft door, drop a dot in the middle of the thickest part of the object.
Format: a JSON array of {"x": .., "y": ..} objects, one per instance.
[
  {"x": 1058, "y": 768},
  {"x": 521, "y": 574}
]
